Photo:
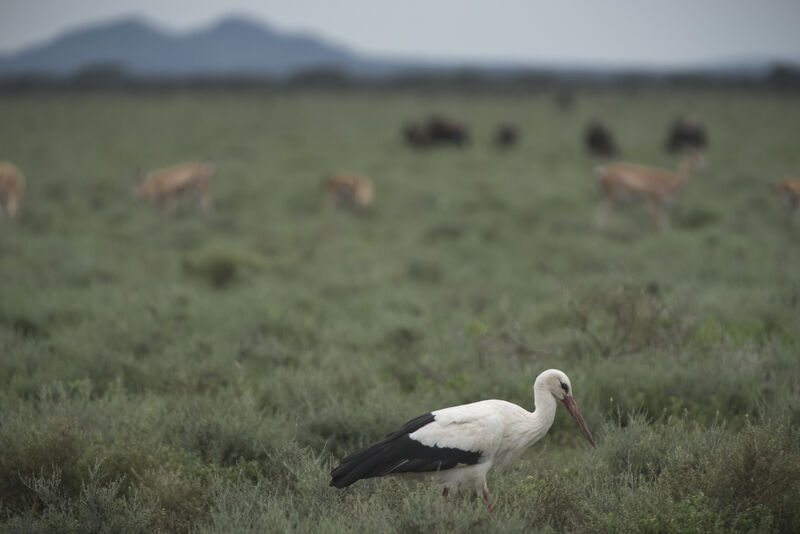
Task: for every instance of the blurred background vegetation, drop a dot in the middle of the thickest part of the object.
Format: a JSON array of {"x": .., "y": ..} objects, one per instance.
[{"x": 184, "y": 371}]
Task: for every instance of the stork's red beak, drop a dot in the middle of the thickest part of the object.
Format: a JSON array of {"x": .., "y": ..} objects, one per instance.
[{"x": 572, "y": 407}]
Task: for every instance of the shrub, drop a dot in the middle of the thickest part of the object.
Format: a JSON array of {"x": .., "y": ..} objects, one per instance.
[
  {"x": 624, "y": 320},
  {"x": 99, "y": 507},
  {"x": 27, "y": 452}
]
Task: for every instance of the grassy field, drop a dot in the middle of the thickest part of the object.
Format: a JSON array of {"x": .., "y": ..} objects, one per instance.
[{"x": 203, "y": 373}]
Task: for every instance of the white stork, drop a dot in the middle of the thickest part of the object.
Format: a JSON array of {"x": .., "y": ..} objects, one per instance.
[{"x": 457, "y": 446}]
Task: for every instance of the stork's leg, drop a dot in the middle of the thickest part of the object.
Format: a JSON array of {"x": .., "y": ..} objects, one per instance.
[
  {"x": 445, "y": 492},
  {"x": 485, "y": 496},
  {"x": 488, "y": 502}
]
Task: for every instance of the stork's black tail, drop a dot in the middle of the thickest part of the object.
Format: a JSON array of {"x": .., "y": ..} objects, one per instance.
[
  {"x": 380, "y": 458},
  {"x": 398, "y": 453},
  {"x": 371, "y": 461}
]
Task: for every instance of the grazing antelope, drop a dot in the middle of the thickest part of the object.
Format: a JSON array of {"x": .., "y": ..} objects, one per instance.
[
  {"x": 12, "y": 184},
  {"x": 652, "y": 185},
  {"x": 788, "y": 192},
  {"x": 165, "y": 186},
  {"x": 348, "y": 190}
]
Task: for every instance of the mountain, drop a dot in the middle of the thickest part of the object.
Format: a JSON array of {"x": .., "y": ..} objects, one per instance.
[
  {"x": 234, "y": 45},
  {"x": 240, "y": 46}
]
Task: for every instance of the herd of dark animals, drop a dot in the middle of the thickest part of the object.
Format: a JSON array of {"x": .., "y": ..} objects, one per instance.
[
  {"x": 683, "y": 134},
  {"x": 437, "y": 130}
]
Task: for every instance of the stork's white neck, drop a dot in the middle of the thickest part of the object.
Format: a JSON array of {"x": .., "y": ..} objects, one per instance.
[
  {"x": 544, "y": 412},
  {"x": 524, "y": 428}
]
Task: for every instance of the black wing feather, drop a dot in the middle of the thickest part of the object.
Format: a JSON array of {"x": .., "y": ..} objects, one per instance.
[{"x": 398, "y": 453}]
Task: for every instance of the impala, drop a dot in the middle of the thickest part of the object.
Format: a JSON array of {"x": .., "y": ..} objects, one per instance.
[
  {"x": 12, "y": 184},
  {"x": 165, "y": 186},
  {"x": 788, "y": 192},
  {"x": 652, "y": 185},
  {"x": 349, "y": 190}
]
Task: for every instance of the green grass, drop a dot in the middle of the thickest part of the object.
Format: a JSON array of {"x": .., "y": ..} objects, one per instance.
[{"x": 202, "y": 373}]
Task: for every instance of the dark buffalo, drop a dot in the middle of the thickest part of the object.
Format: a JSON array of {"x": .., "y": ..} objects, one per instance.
[
  {"x": 417, "y": 135},
  {"x": 599, "y": 140},
  {"x": 685, "y": 133},
  {"x": 436, "y": 131},
  {"x": 447, "y": 131}
]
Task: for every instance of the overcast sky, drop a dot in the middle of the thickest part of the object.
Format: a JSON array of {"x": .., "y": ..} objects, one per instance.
[{"x": 624, "y": 32}]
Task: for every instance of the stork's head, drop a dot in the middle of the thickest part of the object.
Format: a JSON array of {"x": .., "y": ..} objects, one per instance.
[
  {"x": 557, "y": 384},
  {"x": 554, "y": 381}
]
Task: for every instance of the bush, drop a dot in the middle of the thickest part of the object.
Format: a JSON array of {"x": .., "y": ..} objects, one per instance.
[
  {"x": 99, "y": 507},
  {"x": 625, "y": 320},
  {"x": 673, "y": 477},
  {"x": 57, "y": 445}
]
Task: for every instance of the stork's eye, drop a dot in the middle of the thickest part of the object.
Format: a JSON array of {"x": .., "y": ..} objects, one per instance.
[{"x": 565, "y": 388}]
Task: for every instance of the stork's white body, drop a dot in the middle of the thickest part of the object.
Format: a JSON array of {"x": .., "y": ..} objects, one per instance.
[
  {"x": 457, "y": 446},
  {"x": 501, "y": 431}
]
